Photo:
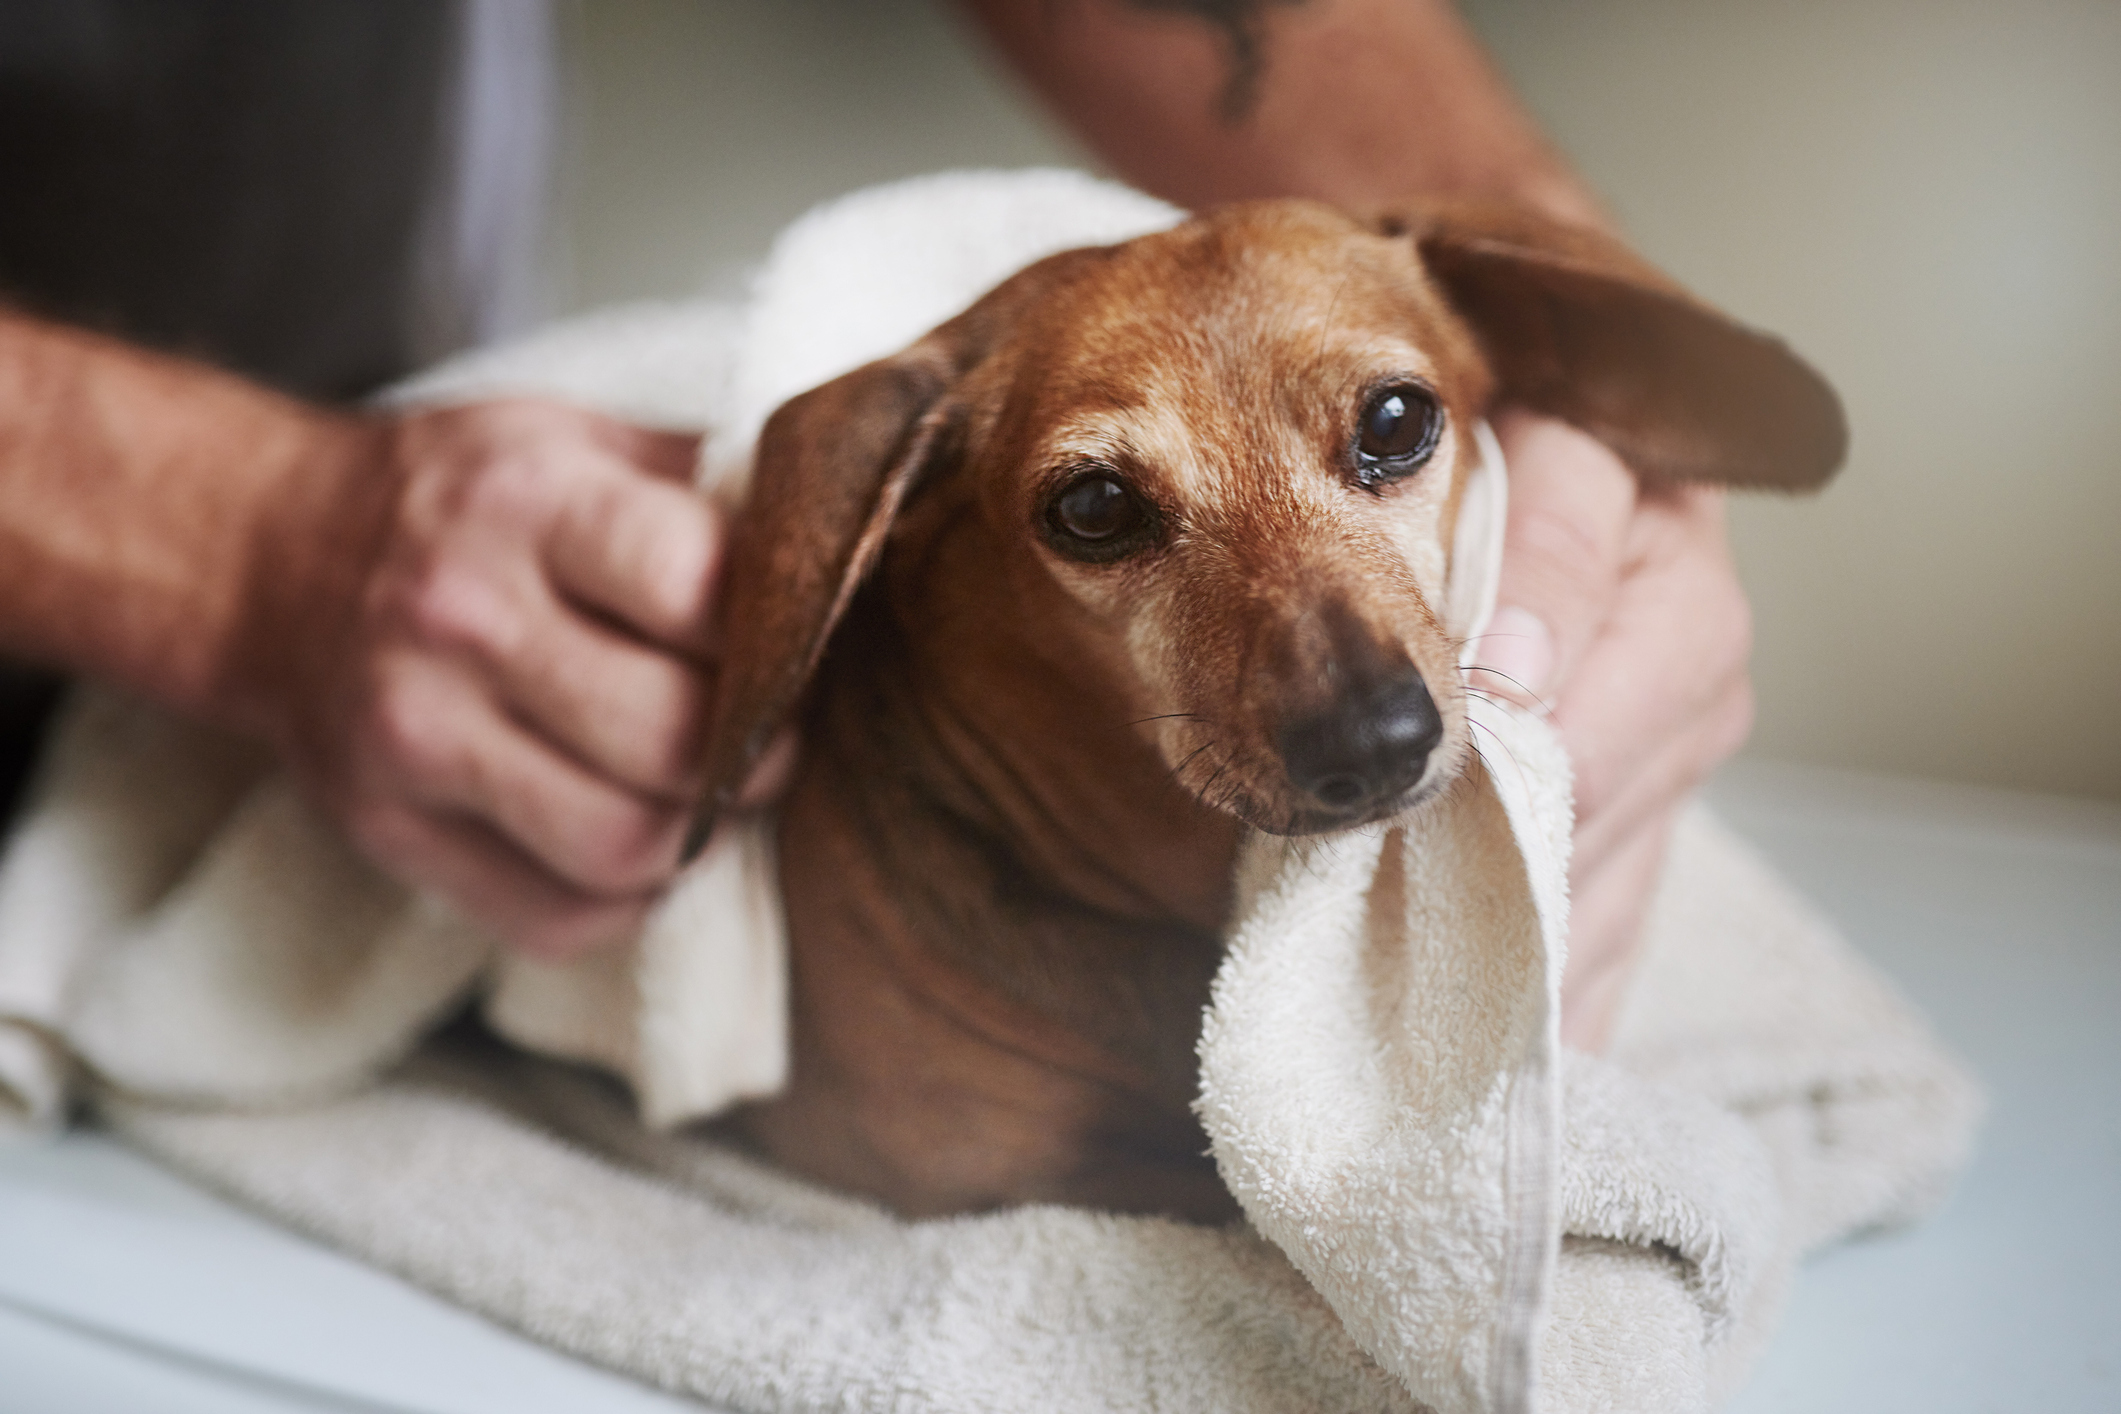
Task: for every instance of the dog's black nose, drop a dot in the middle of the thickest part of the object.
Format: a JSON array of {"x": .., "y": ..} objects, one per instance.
[{"x": 1369, "y": 747}]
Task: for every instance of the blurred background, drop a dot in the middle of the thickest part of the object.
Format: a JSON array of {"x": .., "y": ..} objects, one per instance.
[{"x": 1923, "y": 196}]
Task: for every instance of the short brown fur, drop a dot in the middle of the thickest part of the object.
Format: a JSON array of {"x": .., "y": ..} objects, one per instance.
[{"x": 1007, "y": 856}]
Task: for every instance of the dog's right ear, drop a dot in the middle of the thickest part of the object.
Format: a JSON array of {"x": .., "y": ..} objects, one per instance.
[{"x": 833, "y": 467}]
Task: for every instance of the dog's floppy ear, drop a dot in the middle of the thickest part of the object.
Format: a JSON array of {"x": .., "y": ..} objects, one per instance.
[
  {"x": 1576, "y": 326},
  {"x": 832, "y": 469}
]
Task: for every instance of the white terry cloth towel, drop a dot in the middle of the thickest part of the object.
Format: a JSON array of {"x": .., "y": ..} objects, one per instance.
[{"x": 1445, "y": 1210}]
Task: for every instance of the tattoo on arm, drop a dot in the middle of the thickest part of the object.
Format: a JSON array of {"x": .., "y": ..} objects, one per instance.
[{"x": 1244, "y": 29}]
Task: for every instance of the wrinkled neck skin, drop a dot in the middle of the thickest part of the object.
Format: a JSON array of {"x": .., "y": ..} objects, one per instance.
[{"x": 1004, "y": 917}]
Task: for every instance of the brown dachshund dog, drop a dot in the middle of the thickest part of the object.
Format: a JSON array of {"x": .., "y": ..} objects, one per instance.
[{"x": 1144, "y": 548}]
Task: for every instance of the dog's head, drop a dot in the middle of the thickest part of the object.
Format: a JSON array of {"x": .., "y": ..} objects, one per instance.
[{"x": 1213, "y": 473}]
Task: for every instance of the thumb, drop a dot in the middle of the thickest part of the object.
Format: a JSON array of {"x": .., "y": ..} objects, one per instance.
[{"x": 1563, "y": 550}]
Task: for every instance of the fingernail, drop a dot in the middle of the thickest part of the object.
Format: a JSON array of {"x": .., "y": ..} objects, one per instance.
[{"x": 1518, "y": 649}]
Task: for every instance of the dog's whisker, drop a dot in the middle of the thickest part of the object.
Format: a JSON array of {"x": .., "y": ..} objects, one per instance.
[
  {"x": 1168, "y": 717},
  {"x": 1536, "y": 699},
  {"x": 1515, "y": 764},
  {"x": 1180, "y": 768},
  {"x": 1493, "y": 699},
  {"x": 1201, "y": 795}
]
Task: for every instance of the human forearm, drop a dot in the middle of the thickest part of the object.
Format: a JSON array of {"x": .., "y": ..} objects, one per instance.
[
  {"x": 143, "y": 500},
  {"x": 1357, "y": 102}
]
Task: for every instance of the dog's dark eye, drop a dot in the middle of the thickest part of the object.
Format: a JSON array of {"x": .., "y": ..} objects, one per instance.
[
  {"x": 1399, "y": 430},
  {"x": 1096, "y": 517}
]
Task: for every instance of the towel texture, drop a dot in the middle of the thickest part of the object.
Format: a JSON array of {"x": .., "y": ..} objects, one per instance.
[
  {"x": 1378, "y": 1067},
  {"x": 1445, "y": 1210}
]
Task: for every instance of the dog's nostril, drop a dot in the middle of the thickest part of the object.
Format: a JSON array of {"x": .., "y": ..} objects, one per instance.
[
  {"x": 1368, "y": 747},
  {"x": 1342, "y": 792}
]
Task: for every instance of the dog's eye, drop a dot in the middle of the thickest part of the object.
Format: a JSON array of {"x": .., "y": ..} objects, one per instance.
[
  {"x": 1095, "y": 517},
  {"x": 1097, "y": 508},
  {"x": 1398, "y": 433}
]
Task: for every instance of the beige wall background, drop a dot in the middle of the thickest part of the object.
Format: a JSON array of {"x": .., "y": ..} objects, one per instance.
[{"x": 1923, "y": 195}]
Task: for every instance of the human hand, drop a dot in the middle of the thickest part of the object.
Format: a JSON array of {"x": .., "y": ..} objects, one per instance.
[
  {"x": 497, "y": 685},
  {"x": 1621, "y": 615}
]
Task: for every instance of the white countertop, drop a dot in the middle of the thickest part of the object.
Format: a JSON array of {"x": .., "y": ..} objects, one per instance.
[{"x": 124, "y": 1289}]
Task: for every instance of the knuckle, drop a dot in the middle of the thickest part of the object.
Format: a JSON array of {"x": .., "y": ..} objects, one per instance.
[
  {"x": 678, "y": 559},
  {"x": 658, "y": 537},
  {"x": 473, "y": 481},
  {"x": 520, "y": 486},
  {"x": 451, "y": 606},
  {"x": 675, "y": 581}
]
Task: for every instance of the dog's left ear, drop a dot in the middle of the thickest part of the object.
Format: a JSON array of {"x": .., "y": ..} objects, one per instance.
[{"x": 1577, "y": 326}]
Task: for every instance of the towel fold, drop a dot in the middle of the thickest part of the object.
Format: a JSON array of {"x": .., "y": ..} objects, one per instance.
[{"x": 1445, "y": 1209}]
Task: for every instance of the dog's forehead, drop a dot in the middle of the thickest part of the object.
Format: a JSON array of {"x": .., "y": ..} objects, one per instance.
[
  {"x": 1257, "y": 324},
  {"x": 1230, "y": 292}
]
